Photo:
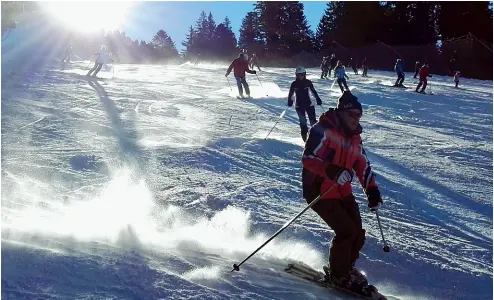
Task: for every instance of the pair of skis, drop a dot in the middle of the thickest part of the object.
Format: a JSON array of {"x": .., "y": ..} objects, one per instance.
[{"x": 306, "y": 272}]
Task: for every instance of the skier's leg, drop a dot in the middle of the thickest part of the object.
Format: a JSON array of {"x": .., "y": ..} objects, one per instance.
[
  {"x": 94, "y": 68},
  {"x": 344, "y": 83},
  {"x": 239, "y": 86},
  {"x": 425, "y": 85},
  {"x": 98, "y": 69},
  {"x": 311, "y": 112},
  {"x": 419, "y": 85},
  {"x": 339, "y": 80},
  {"x": 351, "y": 207},
  {"x": 340, "y": 252},
  {"x": 303, "y": 123},
  {"x": 402, "y": 78},
  {"x": 246, "y": 86}
]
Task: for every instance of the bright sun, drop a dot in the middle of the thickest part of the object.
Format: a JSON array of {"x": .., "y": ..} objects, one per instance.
[{"x": 89, "y": 16}]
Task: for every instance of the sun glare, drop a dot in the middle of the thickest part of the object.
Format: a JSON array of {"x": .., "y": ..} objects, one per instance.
[{"x": 89, "y": 16}]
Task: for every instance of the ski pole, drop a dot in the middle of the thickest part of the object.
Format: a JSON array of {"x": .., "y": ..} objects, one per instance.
[
  {"x": 281, "y": 116},
  {"x": 332, "y": 85},
  {"x": 386, "y": 246},
  {"x": 229, "y": 83},
  {"x": 261, "y": 84},
  {"x": 237, "y": 267}
]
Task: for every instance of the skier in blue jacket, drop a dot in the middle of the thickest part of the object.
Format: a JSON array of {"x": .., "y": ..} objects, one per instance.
[
  {"x": 400, "y": 72},
  {"x": 340, "y": 76}
]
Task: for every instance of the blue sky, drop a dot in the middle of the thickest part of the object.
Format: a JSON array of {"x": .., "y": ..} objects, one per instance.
[{"x": 146, "y": 18}]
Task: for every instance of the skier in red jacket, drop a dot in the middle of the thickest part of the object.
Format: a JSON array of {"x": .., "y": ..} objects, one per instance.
[
  {"x": 423, "y": 74},
  {"x": 240, "y": 65}
]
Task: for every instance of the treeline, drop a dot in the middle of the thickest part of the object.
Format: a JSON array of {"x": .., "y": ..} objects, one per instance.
[
  {"x": 381, "y": 31},
  {"x": 448, "y": 35}
]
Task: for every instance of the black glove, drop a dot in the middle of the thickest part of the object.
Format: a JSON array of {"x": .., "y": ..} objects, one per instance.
[
  {"x": 338, "y": 174},
  {"x": 374, "y": 198},
  {"x": 290, "y": 102},
  {"x": 430, "y": 75},
  {"x": 318, "y": 101},
  {"x": 254, "y": 72}
]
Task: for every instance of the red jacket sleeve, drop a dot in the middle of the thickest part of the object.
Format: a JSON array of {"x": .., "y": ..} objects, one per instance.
[
  {"x": 313, "y": 158},
  {"x": 230, "y": 67},
  {"x": 363, "y": 170}
]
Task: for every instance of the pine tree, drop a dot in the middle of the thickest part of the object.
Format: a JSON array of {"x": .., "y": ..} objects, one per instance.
[{"x": 250, "y": 36}]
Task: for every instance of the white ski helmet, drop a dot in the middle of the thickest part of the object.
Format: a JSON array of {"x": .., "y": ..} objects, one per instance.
[
  {"x": 103, "y": 47},
  {"x": 299, "y": 70}
]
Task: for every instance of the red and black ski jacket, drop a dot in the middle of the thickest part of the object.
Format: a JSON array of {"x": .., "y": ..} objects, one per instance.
[
  {"x": 329, "y": 146},
  {"x": 239, "y": 66}
]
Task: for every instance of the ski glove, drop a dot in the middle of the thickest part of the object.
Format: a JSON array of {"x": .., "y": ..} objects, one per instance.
[
  {"x": 318, "y": 101},
  {"x": 254, "y": 72},
  {"x": 374, "y": 198},
  {"x": 340, "y": 175},
  {"x": 226, "y": 75}
]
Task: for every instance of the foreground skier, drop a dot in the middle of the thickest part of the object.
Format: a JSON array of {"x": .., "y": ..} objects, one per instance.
[{"x": 332, "y": 152}]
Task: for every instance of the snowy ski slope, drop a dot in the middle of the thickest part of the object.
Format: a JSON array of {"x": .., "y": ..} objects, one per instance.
[{"x": 151, "y": 184}]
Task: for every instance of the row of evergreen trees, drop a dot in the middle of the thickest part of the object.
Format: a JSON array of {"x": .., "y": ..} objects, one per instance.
[{"x": 279, "y": 34}]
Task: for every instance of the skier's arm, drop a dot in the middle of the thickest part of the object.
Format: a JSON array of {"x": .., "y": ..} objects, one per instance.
[
  {"x": 363, "y": 170},
  {"x": 290, "y": 94},
  {"x": 251, "y": 71},
  {"x": 313, "y": 90},
  {"x": 315, "y": 150},
  {"x": 229, "y": 69}
]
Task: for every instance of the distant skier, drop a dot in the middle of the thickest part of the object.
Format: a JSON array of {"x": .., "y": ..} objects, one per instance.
[
  {"x": 240, "y": 66},
  {"x": 100, "y": 61},
  {"x": 417, "y": 69},
  {"x": 457, "y": 78},
  {"x": 324, "y": 67},
  {"x": 353, "y": 64},
  {"x": 301, "y": 87},
  {"x": 333, "y": 62},
  {"x": 254, "y": 61},
  {"x": 332, "y": 153},
  {"x": 399, "y": 72},
  {"x": 423, "y": 74},
  {"x": 365, "y": 67},
  {"x": 68, "y": 53},
  {"x": 341, "y": 75}
]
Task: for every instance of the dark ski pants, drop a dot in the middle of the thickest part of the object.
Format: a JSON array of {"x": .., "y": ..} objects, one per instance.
[
  {"x": 355, "y": 70},
  {"x": 242, "y": 82},
  {"x": 424, "y": 82},
  {"x": 341, "y": 83},
  {"x": 97, "y": 67},
  {"x": 311, "y": 112},
  {"x": 364, "y": 73},
  {"x": 416, "y": 73},
  {"x": 456, "y": 83},
  {"x": 324, "y": 73},
  {"x": 343, "y": 216},
  {"x": 400, "y": 79}
]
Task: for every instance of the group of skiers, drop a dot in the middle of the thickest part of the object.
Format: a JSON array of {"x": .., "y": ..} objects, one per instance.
[
  {"x": 422, "y": 71},
  {"x": 330, "y": 63},
  {"x": 103, "y": 57}
]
